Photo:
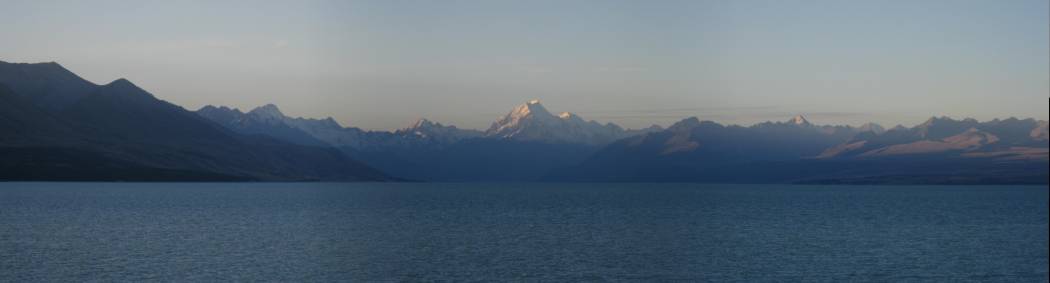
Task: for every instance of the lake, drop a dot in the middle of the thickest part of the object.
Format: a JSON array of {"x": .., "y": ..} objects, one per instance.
[{"x": 520, "y": 232}]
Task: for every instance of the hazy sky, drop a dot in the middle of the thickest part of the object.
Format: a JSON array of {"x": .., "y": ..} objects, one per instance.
[{"x": 382, "y": 64}]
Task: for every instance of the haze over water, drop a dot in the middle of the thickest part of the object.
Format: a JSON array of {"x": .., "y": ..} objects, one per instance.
[{"x": 516, "y": 232}]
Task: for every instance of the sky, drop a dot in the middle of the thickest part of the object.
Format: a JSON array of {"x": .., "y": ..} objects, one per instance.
[{"x": 384, "y": 64}]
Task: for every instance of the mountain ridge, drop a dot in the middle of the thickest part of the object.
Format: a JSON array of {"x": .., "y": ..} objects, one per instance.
[
  {"x": 119, "y": 131},
  {"x": 692, "y": 150},
  {"x": 56, "y": 126}
]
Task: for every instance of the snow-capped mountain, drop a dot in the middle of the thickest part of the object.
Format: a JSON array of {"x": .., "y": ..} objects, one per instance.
[
  {"x": 529, "y": 122},
  {"x": 871, "y": 127},
  {"x": 269, "y": 120},
  {"x": 800, "y": 121},
  {"x": 532, "y": 122},
  {"x": 426, "y": 129},
  {"x": 265, "y": 120}
]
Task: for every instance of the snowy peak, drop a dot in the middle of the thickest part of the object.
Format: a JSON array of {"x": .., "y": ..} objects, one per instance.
[
  {"x": 268, "y": 111},
  {"x": 221, "y": 114},
  {"x": 532, "y": 108},
  {"x": 427, "y": 129},
  {"x": 331, "y": 123},
  {"x": 423, "y": 123},
  {"x": 686, "y": 124},
  {"x": 570, "y": 117},
  {"x": 532, "y": 122},
  {"x": 871, "y": 127},
  {"x": 222, "y": 109},
  {"x": 423, "y": 126},
  {"x": 531, "y": 113},
  {"x": 799, "y": 120}
]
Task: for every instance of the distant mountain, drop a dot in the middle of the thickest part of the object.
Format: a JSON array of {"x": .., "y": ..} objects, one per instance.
[
  {"x": 524, "y": 145},
  {"x": 266, "y": 121},
  {"x": 428, "y": 150},
  {"x": 686, "y": 150},
  {"x": 942, "y": 135},
  {"x": 118, "y": 131},
  {"x": 532, "y": 122},
  {"x": 872, "y": 128},
  {"x": 55, "y": 125},
  {"x": 1040, "y": 132},
  {"x": 969, "y": 140},
  {"x": 938, "y": 151},
  {"x": 441, "y": 134}
]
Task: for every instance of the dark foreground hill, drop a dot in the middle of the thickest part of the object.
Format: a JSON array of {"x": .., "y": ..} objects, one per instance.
[{"x": 58, "y": 130}]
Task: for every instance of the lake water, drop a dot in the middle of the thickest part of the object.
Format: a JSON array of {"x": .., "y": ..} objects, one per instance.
[{"x": 520, "y": 232}]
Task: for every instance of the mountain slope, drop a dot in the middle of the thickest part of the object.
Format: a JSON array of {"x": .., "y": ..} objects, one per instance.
[
  {"x": 266, "y": 120},
  {"x": 48, "y": 85},
  {"x": 38, "y": 146},
  {"x": 1000, "y": 151},
  {"x": 138, "y": 137},
  {"x": 946, "y": 136},
  {"x": 691, "y": 150},
  {"x": 160, "y": 134},
  {"x": 122, "y": 110},
  {"x": 23, "y": 123}
]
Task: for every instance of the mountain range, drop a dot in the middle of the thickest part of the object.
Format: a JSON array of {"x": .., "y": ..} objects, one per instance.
[
  {"x": 938, "y": 151},
  {"x": 524, "y": 145},
  {"x": 55, "y": 125}
]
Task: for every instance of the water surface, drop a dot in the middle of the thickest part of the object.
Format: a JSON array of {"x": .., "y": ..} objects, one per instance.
[{"x": 520, "y": 232}]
